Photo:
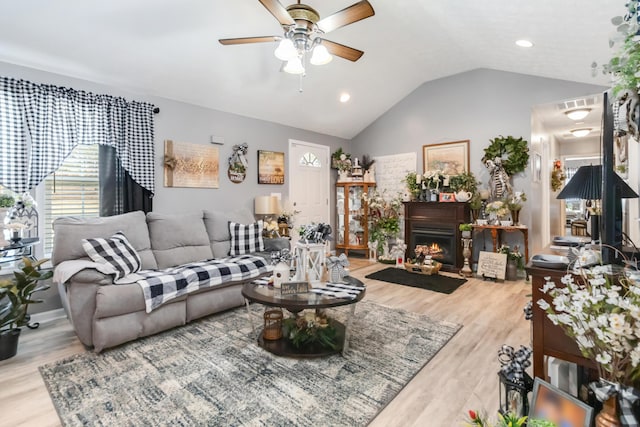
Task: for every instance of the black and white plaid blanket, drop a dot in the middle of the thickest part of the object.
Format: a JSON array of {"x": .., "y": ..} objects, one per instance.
[{"x": 160, "y": 286}]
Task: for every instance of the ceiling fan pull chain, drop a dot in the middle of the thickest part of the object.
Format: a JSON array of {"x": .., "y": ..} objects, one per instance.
[{"x": 300, "y": 84}]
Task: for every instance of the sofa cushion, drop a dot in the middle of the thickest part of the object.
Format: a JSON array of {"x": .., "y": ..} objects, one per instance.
[
  {"x": 246, "y": 238},
  {"x": 69, "y": 232},
  {"x": 116, "y": 251},
  {"x": 178, "y": 239},
  {"x": 217, "y": 224}
]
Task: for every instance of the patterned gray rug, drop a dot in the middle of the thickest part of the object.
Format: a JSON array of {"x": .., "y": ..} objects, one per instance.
[{"x": 211, "y": 372}]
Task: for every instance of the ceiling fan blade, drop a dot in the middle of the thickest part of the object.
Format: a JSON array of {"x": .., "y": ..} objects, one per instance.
[
  {"x": 278, "y": 11},
  {"x": 342, "y": 51},
  {"x": 353, "y": 13},
  {"x": 246, "y": 40}
]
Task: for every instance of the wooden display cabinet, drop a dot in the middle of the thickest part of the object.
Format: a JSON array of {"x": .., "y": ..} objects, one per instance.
[{"x": 352, "y": 221}]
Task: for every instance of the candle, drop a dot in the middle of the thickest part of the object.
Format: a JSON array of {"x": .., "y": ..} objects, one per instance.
[
  {"x": 418, "y": 178},
  {"x": 445, "y": 181}
]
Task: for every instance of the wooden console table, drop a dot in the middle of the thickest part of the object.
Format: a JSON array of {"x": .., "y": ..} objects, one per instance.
[{"x": 496, "y": 237}]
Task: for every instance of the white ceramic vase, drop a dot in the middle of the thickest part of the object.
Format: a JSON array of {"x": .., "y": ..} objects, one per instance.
[{"x": 280, "y": 274}]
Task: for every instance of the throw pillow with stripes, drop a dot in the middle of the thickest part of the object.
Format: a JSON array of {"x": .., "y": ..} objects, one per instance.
[
  {"x": 246, "y": 239},
  {"x": 116, "y": 251}
]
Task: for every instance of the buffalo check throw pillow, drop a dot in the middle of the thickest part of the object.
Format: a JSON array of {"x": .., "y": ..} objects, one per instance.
[
  {"x": 116, "y": 251},
  {"x": 246, "y": 239}
]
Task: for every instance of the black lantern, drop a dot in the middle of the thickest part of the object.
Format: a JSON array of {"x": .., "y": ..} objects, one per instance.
[{"x": 514, "y": 394}]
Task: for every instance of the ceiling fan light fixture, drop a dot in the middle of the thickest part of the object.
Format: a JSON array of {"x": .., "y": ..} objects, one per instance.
[
  {"x": 579, "y": 133},
  {"x": 320, "y": 55},
  {"x": 294, "y": 66},
  {"x": 286, "y": 50},
  {"x": 578, "y": 114}
]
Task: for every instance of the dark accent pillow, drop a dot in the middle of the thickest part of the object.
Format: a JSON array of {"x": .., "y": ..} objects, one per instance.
[
  {"x": 116, "y": 251},
  {"x": 246, "y": 239}
]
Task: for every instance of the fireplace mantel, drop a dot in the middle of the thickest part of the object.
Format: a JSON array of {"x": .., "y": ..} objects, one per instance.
[{"x": 436, "y": 215}]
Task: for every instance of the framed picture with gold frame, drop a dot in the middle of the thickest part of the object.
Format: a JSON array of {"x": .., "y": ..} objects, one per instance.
[
  {"x": 452, "y": 158},
  {"x": 270, "y": 167}
]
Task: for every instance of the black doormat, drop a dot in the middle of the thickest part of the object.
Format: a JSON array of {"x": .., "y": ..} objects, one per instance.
[{"x": 436, "y": 283}]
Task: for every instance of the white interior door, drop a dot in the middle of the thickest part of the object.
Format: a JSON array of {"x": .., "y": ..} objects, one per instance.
[{"x": 309, "y": 183}]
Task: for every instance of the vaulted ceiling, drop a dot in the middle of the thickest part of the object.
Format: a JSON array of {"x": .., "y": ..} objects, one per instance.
[{"x": 169, "y": 48}]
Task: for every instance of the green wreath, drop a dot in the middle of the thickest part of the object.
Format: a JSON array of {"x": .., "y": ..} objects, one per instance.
[{"x": 516, "y": 151}]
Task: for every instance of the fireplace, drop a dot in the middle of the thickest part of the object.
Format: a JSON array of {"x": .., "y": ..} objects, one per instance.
[
  {"x": 437, "y": 242},
  {"x": 434, "y": 226}
]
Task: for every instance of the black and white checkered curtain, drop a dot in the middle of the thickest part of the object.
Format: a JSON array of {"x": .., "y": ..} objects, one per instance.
[{"x": 41, "y": 124}]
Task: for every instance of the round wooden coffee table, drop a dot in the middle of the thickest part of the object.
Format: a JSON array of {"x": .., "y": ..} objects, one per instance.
[{"x": 271, "y": 297}]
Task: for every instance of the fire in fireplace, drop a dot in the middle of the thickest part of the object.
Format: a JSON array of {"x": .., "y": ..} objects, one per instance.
[{"x": 440, "y": 243}]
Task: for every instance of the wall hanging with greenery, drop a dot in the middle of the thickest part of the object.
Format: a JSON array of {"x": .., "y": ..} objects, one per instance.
[{"x": 514, "y": 153}]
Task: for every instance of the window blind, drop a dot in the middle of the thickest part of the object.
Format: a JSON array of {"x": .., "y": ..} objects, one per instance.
[{"x": 73, "y": 190}]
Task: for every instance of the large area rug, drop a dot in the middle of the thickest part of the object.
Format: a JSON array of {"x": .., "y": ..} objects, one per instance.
[
  {"x": 211, "y": 372},
  {"x": 436, "y": 283}
]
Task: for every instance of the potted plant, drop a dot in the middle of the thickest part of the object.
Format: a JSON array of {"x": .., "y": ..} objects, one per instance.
[
  {"x": 15, "y": 298},
  {"x": 623, "y": 69},
  {"x": 475, "y": 204},
  {"x": 414, "y": 188},
  {"x": 466, "y": 230},
  {"x": 384, "y": 215},
  {"x": 466, "y": 181}
]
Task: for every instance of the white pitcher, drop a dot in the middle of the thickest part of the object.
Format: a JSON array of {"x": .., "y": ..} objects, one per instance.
[{"x": 463, "y": 196}]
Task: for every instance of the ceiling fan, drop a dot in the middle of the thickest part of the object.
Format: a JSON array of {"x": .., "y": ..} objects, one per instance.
[{"x": 304, "y": 32}]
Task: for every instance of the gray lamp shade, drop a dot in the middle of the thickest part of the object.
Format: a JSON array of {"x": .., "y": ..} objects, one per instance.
[{"x": 586, "y": 184}]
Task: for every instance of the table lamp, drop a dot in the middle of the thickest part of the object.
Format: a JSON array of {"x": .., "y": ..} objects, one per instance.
[
  {"x": 586, "y": 184},
  {"x": 266, "y": 206}
]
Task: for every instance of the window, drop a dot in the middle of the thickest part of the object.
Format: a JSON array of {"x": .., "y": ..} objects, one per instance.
[
  {"x": 73, "y": 190},
  {"x": 311, "y": 160}
]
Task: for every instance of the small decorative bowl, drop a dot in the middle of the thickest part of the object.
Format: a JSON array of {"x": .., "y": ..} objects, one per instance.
[
  {"x": 505, "y": 223},
  {"x": 482, "y": 221}
]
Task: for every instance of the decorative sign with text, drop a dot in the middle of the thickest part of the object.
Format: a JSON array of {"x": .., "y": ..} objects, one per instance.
[
  {"x": 293, "y": 288},
  {"x": 492, "y": 265}
]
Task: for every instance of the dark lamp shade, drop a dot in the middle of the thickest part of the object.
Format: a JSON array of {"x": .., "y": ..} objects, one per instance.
[{"x": 586, "y": 184}]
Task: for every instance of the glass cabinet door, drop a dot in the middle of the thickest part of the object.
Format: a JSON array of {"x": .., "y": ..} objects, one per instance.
[
  {"x": 340, "y": 220},
  {"x": 356, "y": 216}
]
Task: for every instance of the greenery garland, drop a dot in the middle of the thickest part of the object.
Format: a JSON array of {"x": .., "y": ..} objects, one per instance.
[{"x": 516, "y": 150}]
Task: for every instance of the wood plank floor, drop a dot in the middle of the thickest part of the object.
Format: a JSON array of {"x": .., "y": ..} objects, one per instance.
[{"x": 461, "y": 376}]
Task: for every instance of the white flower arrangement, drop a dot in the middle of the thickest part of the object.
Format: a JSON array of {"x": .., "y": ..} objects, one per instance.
[
  {"x": 434, "y": 178},
  {"x": 602, "y": 313},
  {"x": 498, "y": 207}
]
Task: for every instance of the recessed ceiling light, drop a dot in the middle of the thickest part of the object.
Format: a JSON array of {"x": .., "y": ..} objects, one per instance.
[
  {"x": 578, "y": 114},
  {"x": 344, "y": 97},
  {"x": 579, "y": 133},
  {"x": 524, "y": 43}
]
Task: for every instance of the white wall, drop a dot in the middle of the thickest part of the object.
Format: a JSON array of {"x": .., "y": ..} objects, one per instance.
[{"x": 476, "y": 105}]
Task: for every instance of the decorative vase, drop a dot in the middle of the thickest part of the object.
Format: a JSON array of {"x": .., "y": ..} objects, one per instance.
[
  {"x": 9, "y": 343},
  {"x": 608, "y": 416},
  {"x": 475, "y": 214},
  {"x": 512, "y": 270},
  {"x": 280, "y": 274},
  {"x": 515, "y": 217},
  {"x": 343, "y": 176}
]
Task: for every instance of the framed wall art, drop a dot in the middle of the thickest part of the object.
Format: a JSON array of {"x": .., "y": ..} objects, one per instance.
[
  {"x": 190, "y": 165},
  {"x": 270, "y": 167},
  {"x": 452, "y": 158},
  {"x": 536, "y": 166}
]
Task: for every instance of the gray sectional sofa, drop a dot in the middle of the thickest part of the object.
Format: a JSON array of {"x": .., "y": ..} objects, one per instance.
[{"x": 104, "y": 314}]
